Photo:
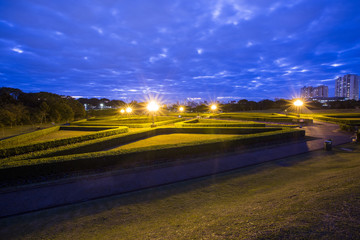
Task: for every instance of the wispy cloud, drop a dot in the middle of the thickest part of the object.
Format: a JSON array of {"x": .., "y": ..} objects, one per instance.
[
  {"x": 18, "y": 50},
  {"x": 253, "y": 49}
]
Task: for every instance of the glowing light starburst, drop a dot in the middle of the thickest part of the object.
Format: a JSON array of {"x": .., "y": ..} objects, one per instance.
[
  {"x": 153, "y": 106},
  {"x": 298, "y": 103}
]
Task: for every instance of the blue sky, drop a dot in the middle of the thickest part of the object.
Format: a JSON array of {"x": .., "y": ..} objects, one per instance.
[{"x": 177, "y": 49}]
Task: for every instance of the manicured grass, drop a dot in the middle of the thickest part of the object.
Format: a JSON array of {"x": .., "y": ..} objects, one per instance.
[
  {"x": 55, "y": 135},
  {"x": 44, "y": 145},
  {"x": 310, "y": 196},
  {"x": 6, "y": 132},
  {"x": 175, "y": 138},
  {"x": 61, "y": 134}
]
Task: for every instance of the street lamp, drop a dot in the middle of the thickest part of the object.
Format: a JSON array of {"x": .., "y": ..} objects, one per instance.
[
  {"x": 181, "y": 109},
  {"x": 298, "y": 104},
  {"x": 128, "y": 110},
  {"x": 121, "y": 113},
  {"x": 153, "y": 107}
]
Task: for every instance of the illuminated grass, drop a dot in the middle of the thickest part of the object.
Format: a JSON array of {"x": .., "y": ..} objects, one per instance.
[
  {"x": 6, "y": 132},
  {"x": 60, "y": 134},
  {"x": 176, "y": 138},
  {"x": 310, "y": 196}
]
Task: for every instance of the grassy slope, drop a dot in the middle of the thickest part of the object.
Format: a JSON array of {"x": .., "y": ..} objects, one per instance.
[
  {"x": 55, "y": 135},
  {"x": 310, "y": 196},
  {"x": 6, "y": 132},
  {"x": 174, "y": 139}
]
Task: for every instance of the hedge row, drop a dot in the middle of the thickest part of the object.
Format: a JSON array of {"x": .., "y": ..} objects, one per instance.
[
  {"x": 145, "y": 156},
  {"x": 6, "y": 143},
  {"x": 99, "y": 144},
  {"x": 115, "y": 141},
  {"x": 262, "y": 119},
  {"x": 347, "y": 121},
  {"x": 7, "y": 152},
  {"x": 220, "y": 125},
  {"x": 217, "y": 123},
  {"x": 344, "y": 115},
  {"x": 124, "y": 121},
  {"x": 130, "y": 124},
  {"x": 79, "y": 121},
  {"x": 218, "y": 130},
  {"x": 148, "y": 125},
  {"x": 87, "y": 128}
]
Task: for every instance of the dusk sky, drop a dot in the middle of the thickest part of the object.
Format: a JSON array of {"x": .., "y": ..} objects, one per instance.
[{"x": 213, "y": 50}]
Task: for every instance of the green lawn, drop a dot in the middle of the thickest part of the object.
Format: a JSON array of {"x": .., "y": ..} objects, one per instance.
[
  {"x": 6, "y": 132},
  {"x": 60, "y": 134},
  {"x": 175, "y": 138},
  {"x": 309, "y": 196}
]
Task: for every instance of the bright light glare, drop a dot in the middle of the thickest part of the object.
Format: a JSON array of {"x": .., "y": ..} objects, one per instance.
[
  {"x": 181, "y": 109},
  {"x": 298, "y": 103},
  {"x": 213, "y": 107},
  {"x": 122, "y": 110},
  {"x": 128, "y": 109},
  {"x": 153, "y": 106}
]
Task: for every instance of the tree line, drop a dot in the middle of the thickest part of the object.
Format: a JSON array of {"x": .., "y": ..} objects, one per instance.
[{"x": 19, "y": 108}]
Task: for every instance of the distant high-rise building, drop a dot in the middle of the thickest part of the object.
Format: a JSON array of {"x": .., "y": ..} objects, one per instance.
[
  {"x": 311, "y": 92},
  {"x": 347, "y": 86}
]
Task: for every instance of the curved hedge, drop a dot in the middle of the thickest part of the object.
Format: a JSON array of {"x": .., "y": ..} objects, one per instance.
[
  {"x": 27, "y": 137},
  {"x": 115, "y": 141},
  {"x": 7, "y": 152},
  {"x": 87, "y": 128},
  {"x": 144, "y": 156}
]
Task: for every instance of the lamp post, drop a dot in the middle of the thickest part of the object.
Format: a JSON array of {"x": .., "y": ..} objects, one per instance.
[
  {"x": 121, "y": 113},
  {"x": 128, "y": 110},
  {"x": 153, "y": 107},
  {"x": 298, "y": 104},
  {"x": 181, "y": 109},
  {"x": 213, "y": 108}
]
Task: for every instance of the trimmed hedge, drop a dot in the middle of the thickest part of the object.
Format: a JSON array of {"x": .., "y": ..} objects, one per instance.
[
  {"x": 129, "y": 123},
  {"x": 217, "y": 123},
  {"x": 149, "y": 125},
  {"x": 218, "y": 130},
  {"x": 79, "y": 121},
  {"x": 255, "y": 117},
  {"x": 347, "y": 121},
  {"x": 7, "y": 152},
  {"x": 115, "y": 141},
  {"x": 99, "y": 144},
  {"x": 27, "y": 137},
  {"x": 140, "y": 156},
  {"x": 344, "y": 115},
  {"x": 87, "y": 128},
  {"x": 113, "y": 121}
]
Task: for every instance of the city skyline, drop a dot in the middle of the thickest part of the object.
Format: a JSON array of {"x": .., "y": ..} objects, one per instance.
[{"x": 213, "y": 50}]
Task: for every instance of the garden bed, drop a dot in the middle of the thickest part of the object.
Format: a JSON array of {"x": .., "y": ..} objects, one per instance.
[{"x": 148, "y": 155}]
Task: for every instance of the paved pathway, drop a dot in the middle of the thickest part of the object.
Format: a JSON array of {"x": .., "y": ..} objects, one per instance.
[{"x": 66, "y": 191}]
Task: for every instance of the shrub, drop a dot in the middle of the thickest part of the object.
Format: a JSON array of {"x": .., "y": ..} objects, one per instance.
[
  {"x": 27, "y": 137},
  {"x": 87, "y": 128},
  {"x": 7, "y": 152},
  {"x": 137, "y": 157}
]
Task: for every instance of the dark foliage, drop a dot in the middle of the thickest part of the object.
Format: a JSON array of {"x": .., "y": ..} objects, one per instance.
[{"x": 17, "y": 108}]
